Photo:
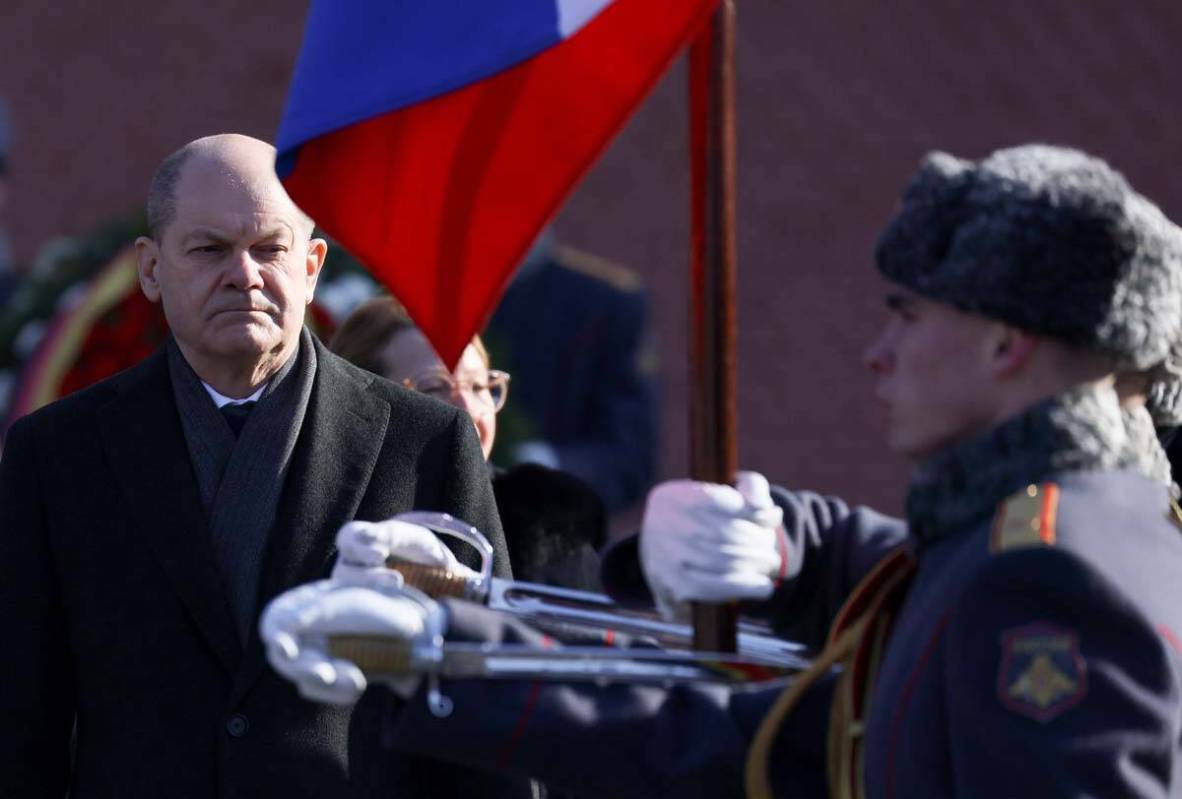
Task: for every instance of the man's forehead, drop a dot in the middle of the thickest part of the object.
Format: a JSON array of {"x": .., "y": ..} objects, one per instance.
[
  {"x": 234, "y": 210},
  {"x": 226, "y": 226},
  {"x": 239, "y": 185}
]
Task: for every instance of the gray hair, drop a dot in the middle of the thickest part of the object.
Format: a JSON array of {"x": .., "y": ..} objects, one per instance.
[{"x": 162, "y": 191}]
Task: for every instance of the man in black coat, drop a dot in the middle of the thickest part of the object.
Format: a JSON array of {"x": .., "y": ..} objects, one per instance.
[{"x": 145, "y": 521}]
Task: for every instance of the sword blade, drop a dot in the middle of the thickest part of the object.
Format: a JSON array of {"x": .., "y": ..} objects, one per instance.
[
  {"x": 561, "y": 609},
  {"x": 382, "y": 658},
  {"x": 585, "y": 615}
]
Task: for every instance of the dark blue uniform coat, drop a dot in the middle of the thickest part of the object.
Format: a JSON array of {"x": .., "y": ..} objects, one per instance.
[{"x": 1030, "y": 646}]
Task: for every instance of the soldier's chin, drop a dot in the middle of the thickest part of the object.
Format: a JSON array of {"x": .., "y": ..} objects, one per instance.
[{"x": 912, "y": 445}]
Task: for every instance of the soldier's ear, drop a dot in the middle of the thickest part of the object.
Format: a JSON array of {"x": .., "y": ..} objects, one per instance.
[
  {"x": 1011, "y": 350},
  {"x": 147, "y": 253}
]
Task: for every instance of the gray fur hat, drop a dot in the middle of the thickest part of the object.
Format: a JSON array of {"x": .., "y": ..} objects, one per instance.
[{"x": 1048, "y": 239}]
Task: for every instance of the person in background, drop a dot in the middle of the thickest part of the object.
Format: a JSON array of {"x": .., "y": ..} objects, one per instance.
[
  {"x": 1164, "y": 401},
  {"x": 554, "y": 523},
  {"x": 572, "y": 328}
]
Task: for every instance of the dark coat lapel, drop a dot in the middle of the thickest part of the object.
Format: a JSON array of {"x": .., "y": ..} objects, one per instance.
[
  {"x": 339, "y": 443},
  {"x": 142, "y": 434}
]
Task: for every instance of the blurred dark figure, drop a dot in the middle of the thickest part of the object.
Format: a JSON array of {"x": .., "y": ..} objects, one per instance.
[
  {"x": 554, "y": 523},
  {"x": 544, "y": 513},
  {"x": 572, "y": 329},
  {"x": 8, "y": 274}
]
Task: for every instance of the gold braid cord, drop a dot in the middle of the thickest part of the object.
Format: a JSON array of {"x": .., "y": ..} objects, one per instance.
[
  {"x": 759, "y": 783},
  {"x": 856, "y": 639},
  {"x": 851, "y": 695}
]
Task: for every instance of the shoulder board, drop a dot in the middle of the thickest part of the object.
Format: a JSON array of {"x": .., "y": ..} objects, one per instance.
[
  {"x": 1026, "y": 519},
  {"x": 616, "y": 276}
]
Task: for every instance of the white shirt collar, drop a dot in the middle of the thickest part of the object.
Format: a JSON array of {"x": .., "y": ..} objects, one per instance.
[{"x": 221, "y": 399}]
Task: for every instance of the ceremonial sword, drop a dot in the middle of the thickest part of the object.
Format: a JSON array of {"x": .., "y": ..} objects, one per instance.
[
  {"x": 428, "y": 654},
  {"x": 584, "y": 616}
]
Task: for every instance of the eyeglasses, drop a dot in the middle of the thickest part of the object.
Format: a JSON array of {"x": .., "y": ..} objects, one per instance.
[{"x": 491, "y": 391}]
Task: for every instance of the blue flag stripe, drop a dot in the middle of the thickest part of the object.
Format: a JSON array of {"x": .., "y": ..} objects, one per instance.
[{"x": 361, "y": 58}]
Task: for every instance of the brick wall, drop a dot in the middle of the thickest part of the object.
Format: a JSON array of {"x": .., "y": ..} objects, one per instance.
[{"x": 838, "y": 101}]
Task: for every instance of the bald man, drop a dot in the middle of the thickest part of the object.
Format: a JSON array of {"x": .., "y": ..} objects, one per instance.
[{"x": 145, "y": 521}]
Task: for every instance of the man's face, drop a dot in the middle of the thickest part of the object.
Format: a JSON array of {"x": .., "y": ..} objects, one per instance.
[
  {"x": 933, "y": 376},
  {"x": 235, "y": 268}
]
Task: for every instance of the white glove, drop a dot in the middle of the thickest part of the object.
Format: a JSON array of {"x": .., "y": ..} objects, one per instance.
[
  {"x": 295, "y": 626},
  {"x": 363, "y": 547},
  {"x": 710, "y": 543}
]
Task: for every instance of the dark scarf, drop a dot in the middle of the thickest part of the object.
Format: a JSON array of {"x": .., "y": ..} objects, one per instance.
[
  {"x": 1080, "y": 430},
  {"x": 240, "y": 480}
]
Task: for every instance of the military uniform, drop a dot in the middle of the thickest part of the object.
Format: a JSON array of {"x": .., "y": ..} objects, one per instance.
[
  {"x": 1043, "y": 630},
  {"x": 1020, "y": 636},
  {"x": 1032, "y": 608}
]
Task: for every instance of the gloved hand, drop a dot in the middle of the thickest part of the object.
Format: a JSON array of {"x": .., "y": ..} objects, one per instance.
[
  {"x": 710, "y": 543},
  {"x": 295, "y": 626},
  {"x": 362, "y": 549}
]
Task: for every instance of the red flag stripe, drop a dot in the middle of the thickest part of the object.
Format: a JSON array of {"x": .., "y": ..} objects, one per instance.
[{"x": 442, "y": 199}]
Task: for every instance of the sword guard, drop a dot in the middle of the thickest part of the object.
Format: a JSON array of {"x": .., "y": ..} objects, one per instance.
[{"x": 435, "y": 581}]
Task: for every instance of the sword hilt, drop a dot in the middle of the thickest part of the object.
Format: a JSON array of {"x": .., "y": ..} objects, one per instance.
[
  {"x": 434, "y": 581},
  {"x": 383, "y": 657},
  {"x": 371, "y": 653}
]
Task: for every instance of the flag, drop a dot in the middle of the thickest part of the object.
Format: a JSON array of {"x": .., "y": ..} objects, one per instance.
[{"x": 435, "y": 138}]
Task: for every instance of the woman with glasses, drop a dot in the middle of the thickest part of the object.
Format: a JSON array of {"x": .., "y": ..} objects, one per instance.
[
  {"x": 553, "y": 522},
  {"x": 380, "y": 337}
]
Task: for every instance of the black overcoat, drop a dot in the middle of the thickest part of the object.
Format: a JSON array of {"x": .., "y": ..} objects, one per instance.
[{"x": 111, "y": 599}]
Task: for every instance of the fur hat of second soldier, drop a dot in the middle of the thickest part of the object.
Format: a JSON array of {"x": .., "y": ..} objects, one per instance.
[
  {"x": 1164, "y": 402},
  {"x": 1164, "y": 395},
  {"x": 1048, "y": 239}
]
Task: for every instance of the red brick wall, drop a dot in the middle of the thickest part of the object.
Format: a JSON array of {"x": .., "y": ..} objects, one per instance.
[{"x": 838, "y": 101}]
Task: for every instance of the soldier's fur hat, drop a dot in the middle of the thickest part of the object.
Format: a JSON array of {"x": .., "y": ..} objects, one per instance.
[{"x": 1048, "y": 239}]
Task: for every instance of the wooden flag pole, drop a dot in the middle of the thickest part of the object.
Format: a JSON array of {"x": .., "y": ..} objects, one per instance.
[{"x": 712, "y": 284}]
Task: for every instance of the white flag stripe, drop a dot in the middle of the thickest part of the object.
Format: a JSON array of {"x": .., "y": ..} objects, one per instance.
[{"x": 574, "y": 14}]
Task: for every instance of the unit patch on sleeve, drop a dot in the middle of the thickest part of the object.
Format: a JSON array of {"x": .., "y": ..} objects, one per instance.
[{"x": 1042, "y": 672}]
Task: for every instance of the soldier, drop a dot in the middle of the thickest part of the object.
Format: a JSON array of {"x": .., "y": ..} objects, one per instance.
[
  {"x": 572, "y": 330},
  {"x": 1020, "y": 637}
]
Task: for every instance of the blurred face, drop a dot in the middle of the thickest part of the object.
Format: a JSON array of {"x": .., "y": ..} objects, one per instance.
[
  {"x": 236, "y": 267},
  {"x": 934, "y": 375},
  {"x": 409, "y": 356}
]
